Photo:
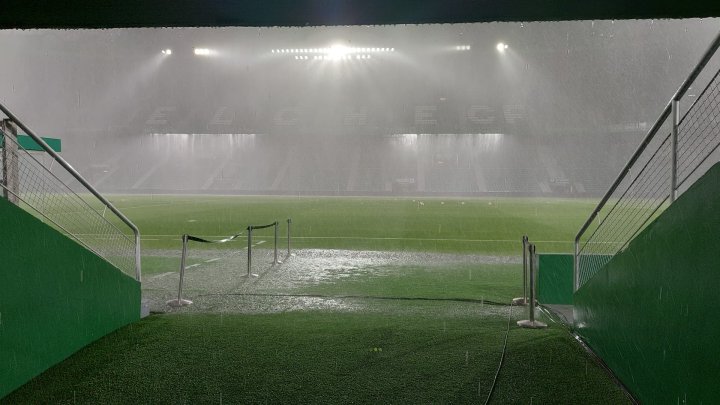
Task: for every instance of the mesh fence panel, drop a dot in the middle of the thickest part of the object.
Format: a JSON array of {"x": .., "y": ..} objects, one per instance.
[
  {"x": 644, "y": 192},
  {"x": 39, "y": 190},
  {"x": 634, "y": 203},
  {"x": 699, "y": 131}
]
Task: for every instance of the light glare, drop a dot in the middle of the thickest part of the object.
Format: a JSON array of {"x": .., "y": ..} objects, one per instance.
[{"x": 203, "y": 51}]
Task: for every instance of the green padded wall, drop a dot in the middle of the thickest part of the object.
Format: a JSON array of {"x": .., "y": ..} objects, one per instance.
[
  {"x": 55, "y": 297},
  {"x": 650, "y": 313},
  {"x": 555, "y": 279}
]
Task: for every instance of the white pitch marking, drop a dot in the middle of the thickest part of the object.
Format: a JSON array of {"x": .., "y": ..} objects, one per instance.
[
  {"x": 396, "y": 238},
  {"x": 429, "y": 239},
  {"x": 163, "y": 275},
  {"x": 212, "y": 260}
]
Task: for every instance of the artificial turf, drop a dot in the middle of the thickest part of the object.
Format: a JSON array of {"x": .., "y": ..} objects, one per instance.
[{"x": 317, "y": 357}]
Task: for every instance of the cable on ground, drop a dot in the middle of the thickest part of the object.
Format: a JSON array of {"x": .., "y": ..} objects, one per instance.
[{"x": 502, "y": 358}]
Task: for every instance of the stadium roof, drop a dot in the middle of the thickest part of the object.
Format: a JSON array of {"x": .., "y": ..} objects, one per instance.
[{"x": 250, "y": 13}]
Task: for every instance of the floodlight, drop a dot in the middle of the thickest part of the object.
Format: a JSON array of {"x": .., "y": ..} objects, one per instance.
[
  {"x": 501, "y": 47},
  {"x": 203, "y": 51},
  {"x": 167, "y": 51}
]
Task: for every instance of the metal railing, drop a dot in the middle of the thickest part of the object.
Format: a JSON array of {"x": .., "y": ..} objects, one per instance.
[
  {"x": 667, "y": 162},
  {"x": 60, "y": 196}
]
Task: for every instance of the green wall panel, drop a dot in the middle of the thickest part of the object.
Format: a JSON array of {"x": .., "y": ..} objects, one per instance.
[
  {"x": 28, "y": 143},
  {"x": 555, "y": 279},
  {"x": 650, "y": 312},
  {"x": 55, "y": 297}
]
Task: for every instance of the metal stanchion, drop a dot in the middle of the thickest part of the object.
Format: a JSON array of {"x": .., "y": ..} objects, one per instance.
[
  {"x": 523, "y": 300},
  {"x": 275, "y": 260},
  {"x": 289, "y": 221},
  {"x": 179, "y": 302},
  {"x": 674, "y": 149},
  {"x": 532, "y": 323},
  {"x": 10, "y": 162},
  {"x": 249, "y": 261},
  {"x": 576, "y": 265}
]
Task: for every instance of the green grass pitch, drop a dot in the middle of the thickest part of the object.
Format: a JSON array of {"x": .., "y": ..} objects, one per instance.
[
  {"x": 415, "y": 332},
  {"x": 477, "y": 225}
]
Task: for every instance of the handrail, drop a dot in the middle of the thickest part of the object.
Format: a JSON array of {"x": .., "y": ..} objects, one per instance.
[
  {"x": 698, "y": 69},
  {"x": 667, "y": 111},
  {"x": 78, "y": 177}
]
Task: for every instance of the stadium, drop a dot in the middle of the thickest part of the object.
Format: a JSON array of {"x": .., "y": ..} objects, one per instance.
[{"x": 358, "y": 206}]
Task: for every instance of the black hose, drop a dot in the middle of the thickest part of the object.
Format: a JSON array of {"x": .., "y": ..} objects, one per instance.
[{"x": 502, "y": 358}]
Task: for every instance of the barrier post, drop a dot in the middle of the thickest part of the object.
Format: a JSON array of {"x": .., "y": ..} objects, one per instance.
[
  {"x": 532, "y": 323},
  {"x": 523, "y": 300},
  {"x": 289, "y": 221},
  {"x": 10, "y": 162},
  {"x": 249, "y": 260},
  {"x": 576, "y": 265},
  {"x": 179, "y": 302},
  {"x": 275, "y": 260},
  {"x": 673, "y": 149}
]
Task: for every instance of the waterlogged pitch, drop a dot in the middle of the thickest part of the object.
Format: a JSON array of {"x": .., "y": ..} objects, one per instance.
[
  {"x": 468, "y": 225},
  {"x": 382, "y": 300}
]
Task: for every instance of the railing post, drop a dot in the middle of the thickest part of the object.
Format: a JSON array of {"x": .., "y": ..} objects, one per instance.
[
  {"x": 249, "y": 259},
  {"x": 673, "y": 145},
  {"x": 532, "y": 284},
  {"x": 10, "y": 168},
  {"x": 180, "y": 302},
  {"x": 289, "y": 221},
  {"x": 523, "y": 300},
  {"x": 138, "y": 270},
  {"x": 532, "y": 323},
  {"x": 525, "y": 267},
  {"x": 275, "y": 260},
  {"x": 576, "y": 266}
]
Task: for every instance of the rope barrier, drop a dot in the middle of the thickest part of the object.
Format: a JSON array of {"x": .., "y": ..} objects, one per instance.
[
  {"x": 228, "y": 239},
  {"x": 252, "y": 227}
]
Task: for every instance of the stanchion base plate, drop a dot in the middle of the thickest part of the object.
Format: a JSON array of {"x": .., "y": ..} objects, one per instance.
[
  {"x": 179, "y": 303},
  {"x": 519, "y": 301},
  {"x": 531, "y": 324}
]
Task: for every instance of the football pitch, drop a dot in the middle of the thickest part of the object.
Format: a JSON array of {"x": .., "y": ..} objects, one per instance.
[
  {"x": 383, "y": 300},
  {"x": 476, "y": 225}
]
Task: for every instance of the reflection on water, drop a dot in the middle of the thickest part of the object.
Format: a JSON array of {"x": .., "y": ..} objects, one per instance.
[{"x": 223, "y": 285}]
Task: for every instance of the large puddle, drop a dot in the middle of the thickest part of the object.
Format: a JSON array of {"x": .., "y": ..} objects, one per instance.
[{"x": 218, "y": 281}]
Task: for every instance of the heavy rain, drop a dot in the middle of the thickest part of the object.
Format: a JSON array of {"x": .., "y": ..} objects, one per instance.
[{"x": 371, "y": 188}]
